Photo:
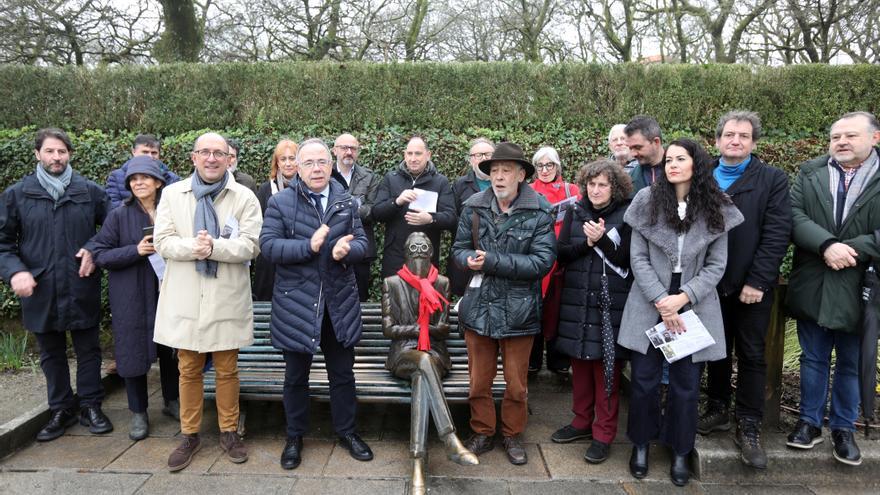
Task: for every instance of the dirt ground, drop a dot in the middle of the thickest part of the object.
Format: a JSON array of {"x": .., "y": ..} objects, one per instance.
[{"x": 21, "y": 391}]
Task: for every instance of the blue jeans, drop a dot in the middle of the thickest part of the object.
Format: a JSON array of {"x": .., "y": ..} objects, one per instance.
[{"x": 816, "y": 344}]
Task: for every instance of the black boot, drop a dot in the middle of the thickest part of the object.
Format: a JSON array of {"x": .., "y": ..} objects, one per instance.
[
  {"x": 638, "y": 461},
  {"x": 679, "y": 471},
  {"x": 748, "y": 439},
  {"x": 716, "y": 418}
]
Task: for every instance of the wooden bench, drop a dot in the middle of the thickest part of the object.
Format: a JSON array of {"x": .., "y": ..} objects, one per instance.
[{"x": 261, "y": 366}]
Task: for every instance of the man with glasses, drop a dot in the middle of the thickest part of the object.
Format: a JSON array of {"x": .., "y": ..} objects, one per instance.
[
  {"x": 464, "y": 187},
  {"x": 207, "y": 229},
  {"x": 239, "y": 176},
  {"x": 314, "y": 237},
  {"x": 363, "y": 185},
  {"x": 416, "y": 178},
  {"x": 144, "y": 144}
]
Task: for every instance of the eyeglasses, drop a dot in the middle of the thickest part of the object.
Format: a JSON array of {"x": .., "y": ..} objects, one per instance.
[
  {"x": 311, "y": 164},
  {"x": 351, "y": 149},
  {"x": 482, "y": 156},
  {"x": 419, "y": 248},
  {"x": 546, "y": 166},
  {"x": 219, "y": 155}
]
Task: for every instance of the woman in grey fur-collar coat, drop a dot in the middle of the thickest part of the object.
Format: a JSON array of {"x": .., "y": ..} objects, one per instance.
[{"x": 678, "y": 254}]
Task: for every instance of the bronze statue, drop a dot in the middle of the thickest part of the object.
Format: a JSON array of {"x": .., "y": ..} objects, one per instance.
[{"x": 415, "y": 316}]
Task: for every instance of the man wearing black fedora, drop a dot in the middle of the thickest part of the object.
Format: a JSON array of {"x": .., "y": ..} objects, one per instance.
[{"x": 505, "y": 238}]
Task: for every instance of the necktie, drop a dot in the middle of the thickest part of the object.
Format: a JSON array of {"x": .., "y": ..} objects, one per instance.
[{"x": 317, "y": 199}]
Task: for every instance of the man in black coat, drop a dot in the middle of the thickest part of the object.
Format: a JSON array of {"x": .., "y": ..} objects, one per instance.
[
  {"x": 46, "y": 221},
  {"x": 398, "y": 189},
  {"x": 464, "y": 187},
  {"x": 756, "y": 248},
  {"x": 362, "y": 184}
]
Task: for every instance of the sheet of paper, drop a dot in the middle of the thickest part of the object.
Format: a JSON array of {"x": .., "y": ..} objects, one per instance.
[
  {"x": 562, "y": 206},
  {"x": 158, "y": 264},
  {"x": 231, "y": 231},
  {"x": 675, "y": 346},
  {"x": 476, "y": 280},
  {"x": 427, "y": 201}
]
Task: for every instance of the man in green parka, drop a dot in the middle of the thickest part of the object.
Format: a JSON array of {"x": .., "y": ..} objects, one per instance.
[{"x": 836, "y": 209}]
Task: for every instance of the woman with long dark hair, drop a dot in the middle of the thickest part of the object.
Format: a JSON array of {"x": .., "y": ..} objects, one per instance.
[
  {"x": 678, "y": 254},
  {"x": 123, "y": 248}
]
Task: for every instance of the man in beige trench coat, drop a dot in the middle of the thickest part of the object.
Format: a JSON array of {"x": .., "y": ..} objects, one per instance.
[{"x": 207, "y": 230}]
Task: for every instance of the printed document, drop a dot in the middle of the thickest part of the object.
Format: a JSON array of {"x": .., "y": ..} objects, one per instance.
[{"x": 675, "y": 346}]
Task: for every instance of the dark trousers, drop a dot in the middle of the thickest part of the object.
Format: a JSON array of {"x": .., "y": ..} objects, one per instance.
[
  {"x": 343, "y": 402},
  {"x": 136, "y": 386},
  {"x": 555, "y": 360},
  {"x": 362, "y": 275},
  {"x": 677, "y": 426},
  {"x": 53, "y": 361},
  {"x": 745, "y": 332}
]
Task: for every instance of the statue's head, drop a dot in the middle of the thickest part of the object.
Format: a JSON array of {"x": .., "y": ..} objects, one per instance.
[{"x": 417, "y": 253}]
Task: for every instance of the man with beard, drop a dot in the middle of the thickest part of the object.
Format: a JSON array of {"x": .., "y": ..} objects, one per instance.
[
  {"x": 46, "y": 221},
  {"x": 363, "y": 185},
  {"x": 505, "y": 237},
  {"x": 646, "y": 147},
  {"x": 466, "y": 186}
]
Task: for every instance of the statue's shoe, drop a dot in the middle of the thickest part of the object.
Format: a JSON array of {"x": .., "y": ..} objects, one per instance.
[{"x": 458, "y": 453}]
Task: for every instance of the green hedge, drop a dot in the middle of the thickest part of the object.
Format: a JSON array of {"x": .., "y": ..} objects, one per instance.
[
  {"x": 795, "y": 101},
  {"x": 97, "y": 153}
]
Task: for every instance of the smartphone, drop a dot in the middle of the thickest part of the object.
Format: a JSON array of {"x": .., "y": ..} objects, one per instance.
[{"x": 148, "y": 230}]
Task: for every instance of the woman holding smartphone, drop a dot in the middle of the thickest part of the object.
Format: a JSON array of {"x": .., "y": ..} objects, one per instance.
[
  {"x": 124, "y": 250},
  {"x": 678, "y": 253}
]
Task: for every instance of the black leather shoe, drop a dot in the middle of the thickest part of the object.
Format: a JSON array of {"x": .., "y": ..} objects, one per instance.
[
  {"x": 94, "y": 418},
  {"x": 60, "y": 421},
  {"x": 291, "y": 456},
  {"x": 516, "y": 453},
  {"x": 679, "y": 471},
  {"x": 638, "y": 461},
  {"x": 845, "y": 448},
  {"x": 479, "y": 444},
  {"x": 356, "y": 447}
]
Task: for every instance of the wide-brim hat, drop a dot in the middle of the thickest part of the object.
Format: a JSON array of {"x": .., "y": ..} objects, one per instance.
[
  {"x": 146, "y": 165},
  {"x": 508, "y": 152}
]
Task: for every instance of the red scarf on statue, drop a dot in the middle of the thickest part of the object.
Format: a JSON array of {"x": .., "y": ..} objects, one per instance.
[{"x": 429, "y": 301}]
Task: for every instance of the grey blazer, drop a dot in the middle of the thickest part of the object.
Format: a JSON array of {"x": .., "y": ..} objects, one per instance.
[{"x": 652, "y": 255}]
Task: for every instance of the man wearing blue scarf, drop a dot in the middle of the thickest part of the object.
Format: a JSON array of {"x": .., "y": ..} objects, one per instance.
[
  {"x": 46, "y": 221},
  {"x": 755, "y": 251}
]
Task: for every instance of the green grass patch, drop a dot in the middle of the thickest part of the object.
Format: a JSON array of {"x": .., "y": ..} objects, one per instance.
[{"x": 14, "y": 354}]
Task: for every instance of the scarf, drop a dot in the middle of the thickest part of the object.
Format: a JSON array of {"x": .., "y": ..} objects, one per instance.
[
  {"x": 845, "y": 189},
  {"x": 54, "y": 185},
  {"x": 726, "y": 174},
  {"x": 429, "y": 301},
  {"x": 206, "y": 216}
]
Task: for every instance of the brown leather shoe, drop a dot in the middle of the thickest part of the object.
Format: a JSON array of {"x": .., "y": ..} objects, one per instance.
[
  {"x": 234, "y": 447},
  {"x": 183, "y": 454},
  {"x": 516, "y": 453},
  {"x": 479, "y": 444}
]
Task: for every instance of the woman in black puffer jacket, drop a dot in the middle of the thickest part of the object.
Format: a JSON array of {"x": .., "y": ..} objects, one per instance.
[{"x": 594, "y": 243}]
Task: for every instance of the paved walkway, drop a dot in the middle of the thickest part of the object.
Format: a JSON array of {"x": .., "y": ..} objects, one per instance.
[{"x": 80, "y": 463}]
